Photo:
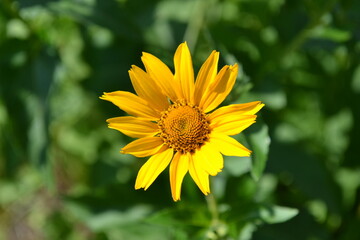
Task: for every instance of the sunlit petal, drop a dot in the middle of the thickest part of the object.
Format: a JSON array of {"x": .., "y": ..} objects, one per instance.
[
  {"x": 200, "y": 176},
  {"x": 220, "y": 88},
  {"x": 147, "y": 88},
  {"x": 239, "y": 109},
  {"x": 152, "y": 168},
  {"x": 184, "y": 72},
  {"x": 131, "y": 104},
  {"x": 144, "y": 147},
  {"x": 209, "y": 159},
  {"x": 162, "y": 75},
  {"x": 133, "y": 127},
  {"x": 228, "y": 145},
  {"x": 178, "y": 168},
  {"x": 206, "y": 76},
  {"x": 233, "y": 124}
]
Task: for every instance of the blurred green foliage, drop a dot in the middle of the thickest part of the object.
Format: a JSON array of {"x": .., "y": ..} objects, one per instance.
[{"x": 61, "y": 174}]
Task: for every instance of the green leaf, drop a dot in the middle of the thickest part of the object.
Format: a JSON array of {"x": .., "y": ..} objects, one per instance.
[
  {"x": 186, "y": 215},
  {"x": 355, "y": 84},
  {"x": 247, "y": 231},
  {"x": 113, "y": 219},
  {"x": 330, "y": 33},
  {"x": 259, "y": 140},
  {"x": 236, "y": 166},
  {"x": 277, "y": 214}
]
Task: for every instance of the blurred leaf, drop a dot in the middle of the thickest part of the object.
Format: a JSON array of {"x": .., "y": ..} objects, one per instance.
[
  {"x": 101, "y": 37},
  {"x": 269, "y": 35},
  {"x": 272, "y": 94},
  {"x": 260, "y": 141},
  {"x": 3, "y": 116},
  {"x": 334, "y": 34},
  {"x": 114, "y": 219},
  {"x": 349, "y": 180},
  {"x": 17, "y": 29},
  {"x": 266, "y": 187},
  {"x": 336, "y": 136},
  {"x": 250, "y": 48},
  {"x": 175, "y": 10},
  {"x": 356, "y": 80},
  {"x": 236, "y": 166},
  {"x": 185, "y": 216},
  {"x": 318, "y": 209},
  {"x": 277, "y": 214},
  {"x": 78, "y": 8},
  {"x": 247, "y": 231},
  {"x": 37, "y": 131}
]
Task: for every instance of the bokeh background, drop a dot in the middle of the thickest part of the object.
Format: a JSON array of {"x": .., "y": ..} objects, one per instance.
[{"x": 61, "y": 173}]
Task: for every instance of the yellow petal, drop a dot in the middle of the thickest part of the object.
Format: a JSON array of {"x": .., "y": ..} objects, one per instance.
[
  {"x": 209, "y": 159},
  {"x": 200, "y": 176},
  {"x": 133, "y": 127},
  {"x": 147, "y": 89},
  {"x": 231, "y": 124},
  {"x": 162, "y": 75},
  {"x": 144, "y": 147},
  {"x": 184, "y": 72},
  {"x": 244, "y": 109},
  {"x": 228, "y": 145},
  {"x": 131, "y": 104},
  {"x": 221, "y": 87},
  {"x": 152, "y": 168},
  {"x": 206, "y": 76},
  {"x": 178, "y": 168}
]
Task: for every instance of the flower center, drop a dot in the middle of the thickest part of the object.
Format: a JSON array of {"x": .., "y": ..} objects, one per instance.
[{"x": 184, "y": 127}]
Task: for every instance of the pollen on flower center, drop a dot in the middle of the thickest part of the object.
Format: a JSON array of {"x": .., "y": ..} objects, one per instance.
[{"x": 184, "y": 127}]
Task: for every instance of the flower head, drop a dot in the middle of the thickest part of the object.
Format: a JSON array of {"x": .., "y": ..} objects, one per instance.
[{"x": 174, "y": 119}]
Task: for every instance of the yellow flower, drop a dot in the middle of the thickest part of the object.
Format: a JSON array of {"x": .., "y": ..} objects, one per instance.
[{"x": 174, "y": 121}]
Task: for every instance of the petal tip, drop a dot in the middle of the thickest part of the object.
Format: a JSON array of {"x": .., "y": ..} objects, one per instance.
[
  {"x": 145, "y": 54},
  {"x": 137, "y": 186},
  {"x": 103, "y": 96}
]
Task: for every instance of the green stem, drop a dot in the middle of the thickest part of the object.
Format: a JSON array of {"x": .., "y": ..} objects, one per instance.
[{"x": 213, "y": 208}]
